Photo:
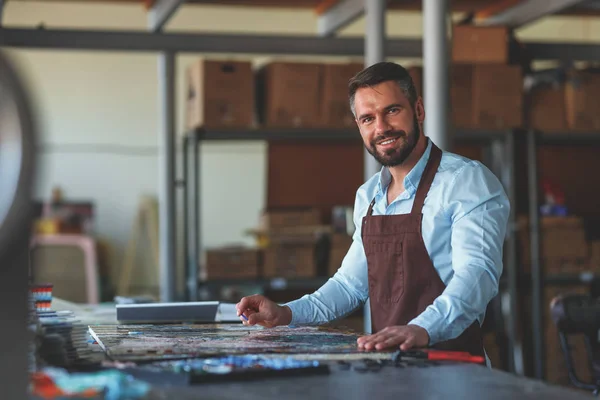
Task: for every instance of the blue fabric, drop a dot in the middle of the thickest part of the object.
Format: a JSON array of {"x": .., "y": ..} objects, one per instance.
[{"x": 465, "y": 217}]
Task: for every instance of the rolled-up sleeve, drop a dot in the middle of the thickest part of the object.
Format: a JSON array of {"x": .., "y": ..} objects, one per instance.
[{"x": 478, "y": 209}]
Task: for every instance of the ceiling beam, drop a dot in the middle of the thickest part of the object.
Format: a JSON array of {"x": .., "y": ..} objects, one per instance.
[
  {"x": 160, "y": 12},
  {"x": 525, "y": 12},
  {"x": 136, "y": 41}
]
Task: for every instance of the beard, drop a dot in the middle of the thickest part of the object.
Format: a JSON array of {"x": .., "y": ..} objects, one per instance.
[{"x": 407, "y": 141}]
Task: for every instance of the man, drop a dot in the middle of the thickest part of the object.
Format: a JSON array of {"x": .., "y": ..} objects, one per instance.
[{"x": 430, "y": 227}]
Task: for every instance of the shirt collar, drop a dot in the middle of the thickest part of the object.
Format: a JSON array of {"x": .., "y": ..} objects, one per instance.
[{"x": 411, "y": 180}]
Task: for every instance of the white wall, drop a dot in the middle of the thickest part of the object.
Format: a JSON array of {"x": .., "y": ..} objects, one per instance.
[{"x": 99, "y": 119}]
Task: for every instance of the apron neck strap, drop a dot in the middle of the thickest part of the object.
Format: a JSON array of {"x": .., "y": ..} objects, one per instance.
[
  {"x": 370, "y": 210},
  {"x": 427, "y": 178}
]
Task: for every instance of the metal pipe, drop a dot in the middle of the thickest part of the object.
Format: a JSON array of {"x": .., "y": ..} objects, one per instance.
[
  {"x": 374, "y": 53},
  {"x": 514, "y": 338},
  {"x": 167, "y": 240},
  {"x": 186, "y": 211},
  {"x": 435, "y": 74},
  {"x": 536, "y": 272},
  {"x": 194, "y": 263}
]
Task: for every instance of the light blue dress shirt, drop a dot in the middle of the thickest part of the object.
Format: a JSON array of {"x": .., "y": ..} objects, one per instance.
[{"x": 465, "y": 217}]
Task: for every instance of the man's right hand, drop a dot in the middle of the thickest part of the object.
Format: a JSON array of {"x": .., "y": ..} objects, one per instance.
[{"x": 261, "y": 311}]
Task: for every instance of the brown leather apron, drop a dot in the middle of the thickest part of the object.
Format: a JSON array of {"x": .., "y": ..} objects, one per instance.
[{"x": 402, "y": 278}]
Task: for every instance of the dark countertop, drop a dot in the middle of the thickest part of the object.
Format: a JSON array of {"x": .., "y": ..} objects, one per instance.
[{"x": 464, "y": 381}]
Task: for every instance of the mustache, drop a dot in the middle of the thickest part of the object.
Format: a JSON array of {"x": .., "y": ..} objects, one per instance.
[{"x": 389, "y": 135}]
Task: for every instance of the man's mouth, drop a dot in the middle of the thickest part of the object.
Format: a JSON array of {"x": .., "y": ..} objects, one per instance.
[{"x": 387, "y": 141}]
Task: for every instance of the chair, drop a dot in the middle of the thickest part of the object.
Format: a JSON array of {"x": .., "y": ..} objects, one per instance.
[
  {"x": 87, "y": 245},
  {"x": 576, "y": 314}
]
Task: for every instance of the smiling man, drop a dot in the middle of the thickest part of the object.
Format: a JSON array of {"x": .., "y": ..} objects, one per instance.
[{"x": 430, "y": 227}]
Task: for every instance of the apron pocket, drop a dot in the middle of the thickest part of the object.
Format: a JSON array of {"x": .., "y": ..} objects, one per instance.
[{"x": 386, "y": 272}]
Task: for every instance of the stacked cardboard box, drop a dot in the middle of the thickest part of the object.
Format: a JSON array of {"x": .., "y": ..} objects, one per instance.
[
  {"x": 561, "y": 100},
  {"x": 219, "y": 94},
  {"x": 595, "y": 254},
  {"x": 227, "y": 94},
  {"x": 340, "y": 244},
  {"x": 292, "y": 236},
  {"x": 231, "y": 263},
  {"x": 486, "y": 78},
  {"x": 582, "y": 101},
  {"x": 292, "y": 95},
  {"x": 563, "y": 247}
]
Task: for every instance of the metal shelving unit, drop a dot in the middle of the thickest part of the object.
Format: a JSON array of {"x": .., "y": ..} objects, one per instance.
[{"x": 535, "y": 139}]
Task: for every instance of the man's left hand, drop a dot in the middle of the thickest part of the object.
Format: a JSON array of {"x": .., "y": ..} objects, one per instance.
[{"x": 406, "y": 336}]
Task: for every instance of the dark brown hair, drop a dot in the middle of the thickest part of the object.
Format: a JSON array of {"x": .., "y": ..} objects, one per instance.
[{"x": 382, "y": 72}]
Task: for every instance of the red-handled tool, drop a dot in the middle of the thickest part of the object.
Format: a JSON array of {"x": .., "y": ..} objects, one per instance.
[{"x": 440, "y": 355}]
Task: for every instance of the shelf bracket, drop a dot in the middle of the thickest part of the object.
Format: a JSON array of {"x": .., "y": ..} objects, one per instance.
[
  {"x": 340, "y": 15},
  {"x": 160, "y": 13},
  {"x": 527, "y": 11}
]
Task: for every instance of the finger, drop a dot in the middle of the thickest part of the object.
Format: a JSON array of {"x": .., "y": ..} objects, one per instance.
[
  {"x": 370, "y": 338},
  {"x": 246, "y": 303},
  {"x": 361, "y": 341},
  {"x": 374, "y": 335},
  {"x": 377, "y": 341},
  {"x": 257, "y": 318},
  {"x": 409, "y": 343},
  {"x": 241, "y": 306},
  {"x": 391, "y": 342},
  {"x": 370, "y": 341}
]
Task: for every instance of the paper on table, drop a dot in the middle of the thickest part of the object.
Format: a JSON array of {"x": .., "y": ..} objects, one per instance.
[{"x": 227, "y": 313}]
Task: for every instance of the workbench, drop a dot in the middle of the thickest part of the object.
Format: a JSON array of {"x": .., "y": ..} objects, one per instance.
[
  {"x": 464, "y": 381},
  {"x": 446, "y": 380}
]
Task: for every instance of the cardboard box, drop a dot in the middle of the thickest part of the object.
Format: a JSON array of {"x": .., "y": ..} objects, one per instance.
[
  {"x": 335, "y": 109},
  {"x": 595, "y": 254},
  {"x": 488, "y": 45},
  {"x": 340, "y": 244},
  {"x": 290, "y": 259},
  {"x": 545, "y": 108},
  {"x": 284, "y": 218},
  {"x": 232, "y": 262},
  {"x": 220, "y": 94},
  {"x": 487, "y": 96},
  {"x": 473, "y": 44},
  {"x": 461, "y": 89},
  {"x": 582, "y": 100},
  {"x": 289, "y": 95},
  {"x": 497, "y": 96},
  {"x": 563, "y": 246},
  {"x": 416, "y": 73}
]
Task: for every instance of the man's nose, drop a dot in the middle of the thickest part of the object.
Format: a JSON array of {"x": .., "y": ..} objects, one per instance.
[{"x": 382, "y": 126}]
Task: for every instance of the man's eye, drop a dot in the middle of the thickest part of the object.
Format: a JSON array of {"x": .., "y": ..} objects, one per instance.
[
  {"x": 393, "y": 110},
  {"x": 367, "y": 120}
]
